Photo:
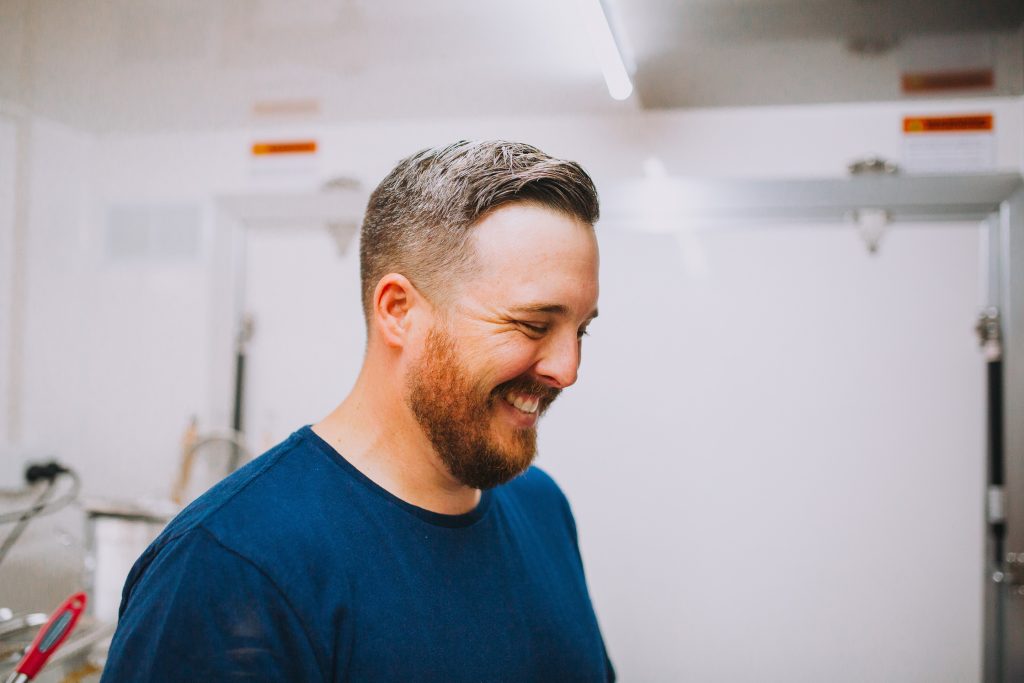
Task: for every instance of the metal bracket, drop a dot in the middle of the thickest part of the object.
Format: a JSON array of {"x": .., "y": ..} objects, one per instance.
[
  {"x": 989, "y": 336},
  {"x": 1011, "y": 574}
]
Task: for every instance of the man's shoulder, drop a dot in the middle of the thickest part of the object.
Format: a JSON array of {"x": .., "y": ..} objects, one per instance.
[
  {"x": 269, "y": 515},
  {"x": 270, "y": 502},
  {"x": 236, "y": 492}
]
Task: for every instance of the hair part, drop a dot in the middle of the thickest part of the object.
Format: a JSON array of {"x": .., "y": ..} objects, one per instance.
[{"x": 419, "y": 218}]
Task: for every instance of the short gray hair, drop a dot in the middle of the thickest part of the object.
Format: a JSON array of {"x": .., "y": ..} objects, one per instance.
[{"x": 418, "y": 219}]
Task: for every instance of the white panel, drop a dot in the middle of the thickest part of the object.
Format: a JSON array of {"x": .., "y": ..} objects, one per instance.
[
  {"x": 7, "y": 175},
  {"x": 778, "y": 467},
  {"x": 309, "y": 336}
]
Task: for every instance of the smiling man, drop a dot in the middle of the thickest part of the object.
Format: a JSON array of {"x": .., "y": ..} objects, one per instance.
[{"x": 406, "y": 537}]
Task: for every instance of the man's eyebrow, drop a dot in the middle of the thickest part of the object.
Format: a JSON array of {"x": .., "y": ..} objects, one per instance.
[{"x": 551, "y": 309}]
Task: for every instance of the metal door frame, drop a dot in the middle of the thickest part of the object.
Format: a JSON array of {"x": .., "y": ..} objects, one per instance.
[{"x": 1004, "y": 585}]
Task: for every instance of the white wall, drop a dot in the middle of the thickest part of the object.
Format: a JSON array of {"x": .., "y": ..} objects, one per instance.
[
  {"x": 56, "y": 398},
  {"x": 8, "y": 142},
  {"x": 725, "y": 533},
  {"x": 57, "y": 160},
  {"x": 307, "y": 348},
  {"x": 779, "y": 467},
  {"x": 54, "y": 401}
]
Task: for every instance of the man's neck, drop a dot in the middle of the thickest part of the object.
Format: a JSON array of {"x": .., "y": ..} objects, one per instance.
[{"x": 377, "y": 433}]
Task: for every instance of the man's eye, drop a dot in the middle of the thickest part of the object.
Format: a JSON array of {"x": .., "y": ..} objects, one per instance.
[
  {"x": 536, "y": 329},
  {"x": 582, "y": 333}
]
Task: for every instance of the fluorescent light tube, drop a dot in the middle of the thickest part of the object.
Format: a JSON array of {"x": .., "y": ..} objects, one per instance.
[{"x": 609, "y": 56}]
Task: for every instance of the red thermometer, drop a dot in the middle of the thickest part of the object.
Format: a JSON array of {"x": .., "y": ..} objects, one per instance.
[{"x": 49, "y": 639}]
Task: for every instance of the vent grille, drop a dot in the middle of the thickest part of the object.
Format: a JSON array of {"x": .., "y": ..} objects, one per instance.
[{"x": 153, "y": 234}]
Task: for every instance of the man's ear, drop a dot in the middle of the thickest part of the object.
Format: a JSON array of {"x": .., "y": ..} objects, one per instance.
[{"x": 396, "y": 304}]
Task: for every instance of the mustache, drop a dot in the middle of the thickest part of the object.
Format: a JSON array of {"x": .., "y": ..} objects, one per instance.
[{"x": 525, "y": 385}]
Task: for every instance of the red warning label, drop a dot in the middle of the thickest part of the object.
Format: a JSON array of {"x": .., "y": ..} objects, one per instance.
[
  {"x": 964, "y": 123},
  {"x": 284, "y": 147}
]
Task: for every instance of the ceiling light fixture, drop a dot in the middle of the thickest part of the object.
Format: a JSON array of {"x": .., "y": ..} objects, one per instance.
[{"x": 607, "y": 49}]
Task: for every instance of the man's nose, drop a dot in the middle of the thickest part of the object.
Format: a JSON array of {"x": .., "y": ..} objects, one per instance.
[{"x": 560, "y": 361}]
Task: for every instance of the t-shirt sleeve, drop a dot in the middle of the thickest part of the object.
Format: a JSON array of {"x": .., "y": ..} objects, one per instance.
[{"x": 201, "y": 611}]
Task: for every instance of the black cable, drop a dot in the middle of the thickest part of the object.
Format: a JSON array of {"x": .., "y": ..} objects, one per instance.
[
  {"x": 26, "y": 517},
  {"x": 49, "y": 472},
  {"x": 46, "y": 508},
  {"x": 996, "y": 452}
]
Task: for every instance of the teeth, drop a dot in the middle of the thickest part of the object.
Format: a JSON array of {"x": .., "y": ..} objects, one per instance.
[{"x": 527, "y": 404}]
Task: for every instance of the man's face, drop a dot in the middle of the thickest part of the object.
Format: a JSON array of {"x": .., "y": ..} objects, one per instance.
[{"x": 508, "y": 344}]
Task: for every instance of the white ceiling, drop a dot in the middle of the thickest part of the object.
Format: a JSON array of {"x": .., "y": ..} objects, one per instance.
[
  {"x": 122, "y": 65},
  {"x": 141, "y": 65}
]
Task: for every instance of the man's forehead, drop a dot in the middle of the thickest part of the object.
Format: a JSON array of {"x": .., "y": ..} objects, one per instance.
[
  {"x": 531, "y": 259},
  {"x": 527, "y": 226}
]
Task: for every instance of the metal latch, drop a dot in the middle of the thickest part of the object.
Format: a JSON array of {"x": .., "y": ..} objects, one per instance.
[
  {"x": 988, "y": 334},
  {"x": 1012, "y": 573}
]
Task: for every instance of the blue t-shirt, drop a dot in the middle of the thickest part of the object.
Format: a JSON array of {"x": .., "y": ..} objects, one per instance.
[{"x": 300, "y": 568}]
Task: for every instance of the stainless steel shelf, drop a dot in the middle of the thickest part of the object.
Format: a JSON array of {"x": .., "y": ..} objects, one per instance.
[{"x": 906, "y": 198}]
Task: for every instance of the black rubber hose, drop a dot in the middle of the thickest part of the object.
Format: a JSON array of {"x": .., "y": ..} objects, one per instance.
[
  {"x": 236, "y": 418},
  {"x": 996, "y": 461},
  {"x": 26, "y": 517}
]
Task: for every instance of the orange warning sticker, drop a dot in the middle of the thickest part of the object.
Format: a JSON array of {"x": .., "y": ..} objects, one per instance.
[
  {"x": 963, "y": 123},
  {"x": 285, "y": 147}
]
